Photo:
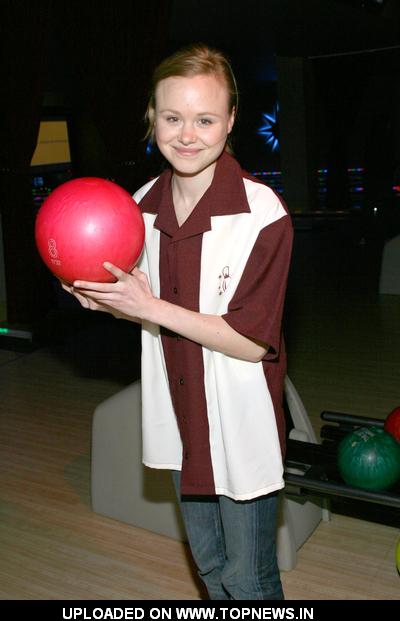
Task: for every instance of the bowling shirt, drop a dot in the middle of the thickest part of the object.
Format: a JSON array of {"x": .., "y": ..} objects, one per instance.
[{"x": 216, "y": 418}]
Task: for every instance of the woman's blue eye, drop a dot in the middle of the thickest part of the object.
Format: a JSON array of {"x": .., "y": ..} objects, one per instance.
[
  {"x": 172, "y": 119},
  {"x": 205, "y": 122}
]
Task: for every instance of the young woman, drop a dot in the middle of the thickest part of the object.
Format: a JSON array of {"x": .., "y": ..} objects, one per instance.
[{"x": 209, "y": 292}]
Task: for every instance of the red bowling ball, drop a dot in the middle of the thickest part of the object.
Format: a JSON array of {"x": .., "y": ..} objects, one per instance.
[
  {"x": 392, "y": 423},
  {"x": 85, "y": 222}
]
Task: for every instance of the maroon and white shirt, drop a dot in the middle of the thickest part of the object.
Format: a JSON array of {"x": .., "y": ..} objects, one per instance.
[{"x": 216, "y": 418}]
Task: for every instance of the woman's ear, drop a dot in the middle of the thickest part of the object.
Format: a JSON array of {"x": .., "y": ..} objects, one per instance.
[{"x": 231, "y": 120}]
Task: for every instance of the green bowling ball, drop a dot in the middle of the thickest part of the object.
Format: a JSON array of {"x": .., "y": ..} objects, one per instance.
[
  {"x": 398, "y": 556},
  {"x": 369, "y": 458}
]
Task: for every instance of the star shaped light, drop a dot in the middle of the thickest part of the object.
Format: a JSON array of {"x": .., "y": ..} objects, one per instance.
[{"x": 269, "y": 129}]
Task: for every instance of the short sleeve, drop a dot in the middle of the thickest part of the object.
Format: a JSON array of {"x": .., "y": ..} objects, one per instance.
[{"x": 257, "y": 305}]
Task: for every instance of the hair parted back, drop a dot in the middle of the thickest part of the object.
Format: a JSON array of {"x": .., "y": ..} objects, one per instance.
[{"x": 195, "y": 59}]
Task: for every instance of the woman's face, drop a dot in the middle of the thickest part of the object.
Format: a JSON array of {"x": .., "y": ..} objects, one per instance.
[{"x": 192, "y": 121}]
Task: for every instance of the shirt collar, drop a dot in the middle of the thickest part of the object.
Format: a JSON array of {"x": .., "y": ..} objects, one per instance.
[{"x": 225, "y": 196}]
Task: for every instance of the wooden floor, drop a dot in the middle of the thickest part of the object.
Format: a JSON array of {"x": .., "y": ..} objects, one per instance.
[{"x": 344, "y": 355}]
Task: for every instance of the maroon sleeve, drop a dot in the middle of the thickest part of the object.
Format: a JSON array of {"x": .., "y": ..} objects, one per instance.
[{"x": 257, "y": 304}]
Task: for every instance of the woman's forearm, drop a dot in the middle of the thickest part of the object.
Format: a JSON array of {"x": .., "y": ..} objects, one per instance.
[{"x": 211, "y": 331}]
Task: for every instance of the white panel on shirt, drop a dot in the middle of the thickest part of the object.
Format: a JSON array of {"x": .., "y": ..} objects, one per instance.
[
  {"x": 162, "y": 446},
  {"x": 245, "y": 448}
]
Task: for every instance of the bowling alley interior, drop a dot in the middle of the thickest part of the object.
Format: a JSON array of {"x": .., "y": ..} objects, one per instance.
[{"x": 319, "y": 122}]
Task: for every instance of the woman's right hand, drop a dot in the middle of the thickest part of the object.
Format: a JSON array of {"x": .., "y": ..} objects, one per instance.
[
  {"x": 90, "y": 303},
  {"x": 82, "y": 299}
]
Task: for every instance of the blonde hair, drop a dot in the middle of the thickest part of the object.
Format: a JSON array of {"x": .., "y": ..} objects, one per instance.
[{"x": 197, "y": 59}]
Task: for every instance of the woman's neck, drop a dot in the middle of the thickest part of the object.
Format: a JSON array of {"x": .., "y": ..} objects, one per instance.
[{"x": 188, "y": 190}]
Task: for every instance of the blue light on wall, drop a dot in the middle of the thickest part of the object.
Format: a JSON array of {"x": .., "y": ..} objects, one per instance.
[{"x": 269, "y": 129}]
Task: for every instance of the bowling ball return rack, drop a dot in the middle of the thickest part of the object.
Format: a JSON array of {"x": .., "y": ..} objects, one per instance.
[{"x": 312, "y": 469}]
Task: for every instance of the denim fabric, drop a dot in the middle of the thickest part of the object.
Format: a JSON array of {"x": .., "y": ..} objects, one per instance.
[{"x": 233, "y": 544}]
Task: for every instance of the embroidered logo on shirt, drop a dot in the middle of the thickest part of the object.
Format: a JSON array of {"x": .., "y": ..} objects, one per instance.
[{"x": 224, "y": 280}]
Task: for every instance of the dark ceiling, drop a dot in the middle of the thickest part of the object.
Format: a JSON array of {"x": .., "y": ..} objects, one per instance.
[{"x": 288, "y": 27}]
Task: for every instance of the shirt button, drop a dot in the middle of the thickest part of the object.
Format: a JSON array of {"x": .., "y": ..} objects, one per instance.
[
  {"x": 175, "y": 290},
  {"x": 181, "y": 381}
]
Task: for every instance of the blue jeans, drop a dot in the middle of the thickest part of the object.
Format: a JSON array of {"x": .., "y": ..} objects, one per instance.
[{"x": 233, "y": 544}]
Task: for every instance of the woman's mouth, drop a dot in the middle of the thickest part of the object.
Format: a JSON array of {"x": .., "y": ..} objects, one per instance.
[{"x": 186, "y": 152}]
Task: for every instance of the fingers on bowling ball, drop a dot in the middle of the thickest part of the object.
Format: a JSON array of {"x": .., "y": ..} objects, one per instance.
[
  {"x": 85, "y": 222},
  {"x": 369, "y": 458}
]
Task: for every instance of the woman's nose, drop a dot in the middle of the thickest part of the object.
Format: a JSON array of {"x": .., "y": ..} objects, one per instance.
[{"x": 187, "y": 134}]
